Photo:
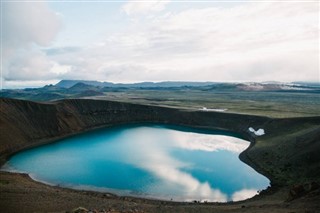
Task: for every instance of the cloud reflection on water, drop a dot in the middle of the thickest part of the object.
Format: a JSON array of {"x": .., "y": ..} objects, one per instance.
[
  {"x": 210, "y": 143},
  {"x": 151, "y": 153},
  {"x": 150, "y": 161},
  {"x": 243, "y": 194}
]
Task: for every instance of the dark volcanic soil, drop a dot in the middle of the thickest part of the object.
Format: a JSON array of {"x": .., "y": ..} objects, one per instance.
[
  {"x": 288, "y": 154},
  {"x": 21, "y": 194}
]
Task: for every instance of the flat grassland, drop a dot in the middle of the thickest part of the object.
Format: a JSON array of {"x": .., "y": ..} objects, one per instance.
[{"x": 264, "y": 103}]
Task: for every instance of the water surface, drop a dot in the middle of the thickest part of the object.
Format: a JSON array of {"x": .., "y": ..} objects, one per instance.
[{"x": 163, "y": 162}]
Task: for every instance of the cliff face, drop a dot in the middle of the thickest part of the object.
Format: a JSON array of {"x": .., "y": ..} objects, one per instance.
[{"x": 25, "y": 124}]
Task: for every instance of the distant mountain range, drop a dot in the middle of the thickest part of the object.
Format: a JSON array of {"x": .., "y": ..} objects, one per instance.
[
  {"x": 71, "y": 83},
  {"x": 170, "y": 84},
  {"x": 80, "y": 86},
  {"x": 79, "y": 89}
]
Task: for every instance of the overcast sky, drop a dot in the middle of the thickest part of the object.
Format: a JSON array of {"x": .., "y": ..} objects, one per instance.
[{"x": 134, "y": 41}]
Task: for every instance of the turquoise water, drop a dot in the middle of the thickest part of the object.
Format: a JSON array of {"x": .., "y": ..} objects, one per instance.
[{"x": 163, "y": 162}]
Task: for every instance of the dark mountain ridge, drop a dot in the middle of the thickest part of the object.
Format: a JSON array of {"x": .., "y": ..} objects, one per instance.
[
  {"x": 81, "y": 89},
  {"x": 70, "y": 83}
]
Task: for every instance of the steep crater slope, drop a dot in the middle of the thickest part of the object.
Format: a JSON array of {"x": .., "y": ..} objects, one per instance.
[
  {"x": 287, "y": 154},
  {"x": 26, "y": 123}
]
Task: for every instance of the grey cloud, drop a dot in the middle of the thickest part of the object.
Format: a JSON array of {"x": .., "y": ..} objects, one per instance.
[
  {"x": 26, "y": 26},
  {"x": 62, "y": 50},
  {"x": 33, "y": 65},
  {"x": 28, "y": 22}
]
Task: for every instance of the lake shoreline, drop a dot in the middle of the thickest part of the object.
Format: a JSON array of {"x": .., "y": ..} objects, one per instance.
[
  {"x": 109, "y": 148},
  {"x": 58, "y": 199},
  {"x": 278, "y": 184}
]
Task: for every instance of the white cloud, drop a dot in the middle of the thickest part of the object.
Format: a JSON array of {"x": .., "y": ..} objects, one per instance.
[
  {"x": 249, "y": 42},
  {"x": 25, "y": 26},
  {"x": 32, "y": 64},
  {"x": 244, "y": 194},
  {"x": 244, "y": 42},
  {"x": 142, "y": 7},
  {"x": 60, "y": 69}
]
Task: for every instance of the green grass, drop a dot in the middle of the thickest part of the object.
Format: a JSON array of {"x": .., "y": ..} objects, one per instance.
[
  {"x": 272, "y": 104},
  {"x": 278, "y": 104}
]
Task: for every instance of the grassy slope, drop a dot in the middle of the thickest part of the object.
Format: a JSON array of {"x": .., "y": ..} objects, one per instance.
[{"x": 287, "y": 153}]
